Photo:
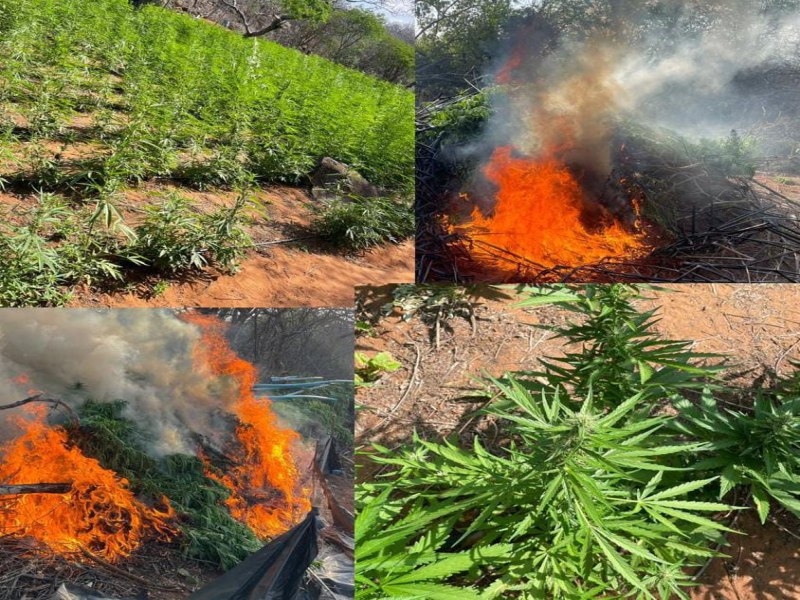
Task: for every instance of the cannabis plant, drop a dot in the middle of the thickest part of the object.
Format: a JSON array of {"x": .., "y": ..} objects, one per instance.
[
  {"x": 399, "y": 552},
  {"x": 364, "y": 222},
  {"x": 605, "y": 482},
  {"x": 593, "y": 502},
  {"x": 757, "y": 447},
  {"x": 173, "y": 238},
  {"x": 615, "y": 349},
  {"x": 208, "y": 531}
]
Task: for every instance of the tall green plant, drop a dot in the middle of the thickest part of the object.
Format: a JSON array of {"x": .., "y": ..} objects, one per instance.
[
  {"x": 614, "y": 347},
  {"x": 758, "y": 447},
  {"x": 614, "y": 466},
  {"x": 399, "y": 551},
  {"x": 593, "y": 502}
]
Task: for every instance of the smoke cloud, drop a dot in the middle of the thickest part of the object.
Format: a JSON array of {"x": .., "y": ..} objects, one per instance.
[
  {"x": 568, "y": 91},
  {"x": 142, "y": 356}
]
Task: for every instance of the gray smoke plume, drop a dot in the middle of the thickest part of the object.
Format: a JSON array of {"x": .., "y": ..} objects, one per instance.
[
  {"x": 567, "y": 91},
  {"x": 142, "y": 356},
  {"x": 685, "y": 88}
]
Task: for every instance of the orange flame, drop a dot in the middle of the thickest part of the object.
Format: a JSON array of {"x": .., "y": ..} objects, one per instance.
[
  {"x": 562, "y": 125},
  {"x": 538, "y": 215},
  {"x": 265, "y": 484},
  {"x": 99, "y": 513}
]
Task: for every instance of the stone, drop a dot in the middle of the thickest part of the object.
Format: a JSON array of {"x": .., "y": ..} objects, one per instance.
[{"x": 333, "y": 180}]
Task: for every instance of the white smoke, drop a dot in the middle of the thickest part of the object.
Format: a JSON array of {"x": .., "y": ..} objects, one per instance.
[
  {"x": 682, "y": 89},
  {"x": 681, "y": 78},
  {"x": 141, "y": 356}
]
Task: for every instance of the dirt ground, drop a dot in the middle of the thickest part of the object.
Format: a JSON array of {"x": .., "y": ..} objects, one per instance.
[
  {"x": 157, "y": 567},
  {"x": 304, "y": 272},
  {"x": 758, "y": 325}
]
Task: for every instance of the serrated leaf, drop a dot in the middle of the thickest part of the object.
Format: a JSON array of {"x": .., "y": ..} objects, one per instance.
[
  {"x": 431, "y": 591},
  {"x": 684, "y": 488}
]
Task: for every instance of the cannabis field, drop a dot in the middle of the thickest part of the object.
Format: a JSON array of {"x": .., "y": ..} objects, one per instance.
[
  {"x": 114, "y": 120},
  {"x": 561, "y": 442}
]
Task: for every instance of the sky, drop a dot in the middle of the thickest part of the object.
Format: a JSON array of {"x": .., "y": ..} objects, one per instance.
[{"x": 398, "y": 11}]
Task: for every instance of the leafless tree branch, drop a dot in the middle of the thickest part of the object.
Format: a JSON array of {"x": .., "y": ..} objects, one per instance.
[
  {"x": 276, "y": 23},
  {"x": 39, "y": 398}
]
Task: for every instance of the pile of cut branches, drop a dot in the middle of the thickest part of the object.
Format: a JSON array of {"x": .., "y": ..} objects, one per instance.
[
  {"x": 724, "y": 225},
  {"x": 441, "y": 126},
  {"x": 210, "y": 539}
]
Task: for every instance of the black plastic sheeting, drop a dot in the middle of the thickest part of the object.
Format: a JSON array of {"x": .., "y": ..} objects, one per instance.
[
  {"x": 327, "y": 463},
  {"x": 327, "y": 456},
  {"x": 276, "y": 572}
]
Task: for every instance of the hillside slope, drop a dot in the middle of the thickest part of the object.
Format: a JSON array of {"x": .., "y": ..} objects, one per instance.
[{"x": 100, "y": 101}]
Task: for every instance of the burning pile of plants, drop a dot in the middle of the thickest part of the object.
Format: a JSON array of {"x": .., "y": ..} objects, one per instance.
[
  {"x": 599, "y": 157},
  {"x": 192, "y": 472},
  {"x": 619, "y": 470}
]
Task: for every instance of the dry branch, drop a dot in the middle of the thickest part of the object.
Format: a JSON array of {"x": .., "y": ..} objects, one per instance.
[
  {"x": 34, "y": 488},
  {"x": 713, "y": 228},
  {"x": 38, "y": 398},
  {"x": 123, "y": 573},
  {"x": 277, "y": 22}
]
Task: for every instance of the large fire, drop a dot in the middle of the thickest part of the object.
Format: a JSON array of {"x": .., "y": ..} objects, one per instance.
[
  {"x": 547, "y": 210},
  {"x": 99, "y": 514},
  {"x": 266, "y": 493},
  {"x": 539, "y": 216}
]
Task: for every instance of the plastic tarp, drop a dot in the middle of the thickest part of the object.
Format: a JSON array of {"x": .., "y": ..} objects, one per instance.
[
  {"x": 327, "y": 458},
  {"x": 335, "y": 576},
  {"x": 327, "y": 463},
  {"x": 276, "y": 572},
  {"x": 76, "y": 592}
]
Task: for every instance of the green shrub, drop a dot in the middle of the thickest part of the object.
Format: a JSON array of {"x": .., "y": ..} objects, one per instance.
[
  {"x": 369, "y": 369},
  {"x": 463, "y": 119},
  {"x": 396, "y": 560},
  {"x": 593, "y": 502},
  {"x": 28, "y": 276},
  {"x": 734, "y": 156},
  {"x": 174, "y": 238},
  {"x": 59, "y": 248},
  {"x": 758, "y": 448},
  {"x": 620, "y": 352},
  {"x": 365, "y": 222},
  {"x": 40, "y": 261}
]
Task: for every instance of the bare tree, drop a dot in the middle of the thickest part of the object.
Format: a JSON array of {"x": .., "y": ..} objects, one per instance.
[
  {"x": 299, "y": 341},
  {"x": 276, "y": 22}
]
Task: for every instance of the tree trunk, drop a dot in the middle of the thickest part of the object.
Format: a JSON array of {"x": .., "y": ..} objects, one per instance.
[{"x": 277, "y": 23}]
